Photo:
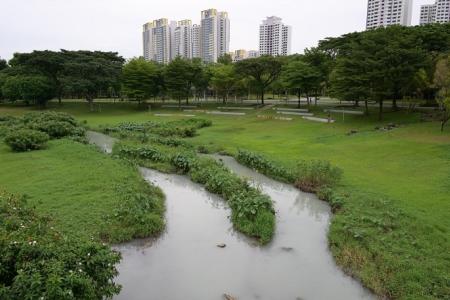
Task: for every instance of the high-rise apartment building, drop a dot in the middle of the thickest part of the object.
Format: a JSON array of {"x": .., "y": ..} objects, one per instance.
[
  {"x": 438, "y": 12},
  {"x": 164, "y": 40},
  {"x": 183, "y": 39},
  {"x": 253, "y": 53},
  {"x": 274, "y": 37},
  {"x": 157, "y": 41},
  {"x": 383, "y": 13},
  {"x": 214, "y": 35},
  {"x": 196, "y": 41},
  {"x": 427, "y": 14}
]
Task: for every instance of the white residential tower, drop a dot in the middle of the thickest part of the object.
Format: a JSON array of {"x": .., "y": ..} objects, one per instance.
[
  {"x": 274, "y": 37},
  {"x": 439, "y": 12},
  {"x": 383, "y": 13}
]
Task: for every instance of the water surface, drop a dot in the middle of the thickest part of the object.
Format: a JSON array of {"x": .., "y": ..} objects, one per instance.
[{"x": 185, "y": 262}]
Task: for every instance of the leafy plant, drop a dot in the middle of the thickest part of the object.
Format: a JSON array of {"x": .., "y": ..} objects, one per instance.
[
  {"x": 26, "y": 140},
  {"x": 39, "y": 262},
  {"x": 312, "y": 175},
  {"x": 265, "y": 166}
]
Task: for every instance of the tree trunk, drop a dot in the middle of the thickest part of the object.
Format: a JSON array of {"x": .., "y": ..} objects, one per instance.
[
  {"x": 262, "y": 97},
  {"x": 91, "y": 104},
  {"x": 380, "y": 112},
  {"x": 366, "y": 107},
  {"x": 299, "y": 99},
  {"x": 59, "y": 100},
  {"x": 444, "y": 121},
  {"x": 394, "y": 104}
]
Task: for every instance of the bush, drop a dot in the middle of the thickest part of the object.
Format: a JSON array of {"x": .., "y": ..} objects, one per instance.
[
  {"x": 265, "y": 166},
  {"x": 56, "y": 125},
  {"x": 315, "y": 174},
  {"x": 26, "y": 140},
  {"x": 38, "y": 262},
  {"x": 182, "y": 128},
  {"x": 183, "y": 162},
  {"x": 56, "y": 129}
]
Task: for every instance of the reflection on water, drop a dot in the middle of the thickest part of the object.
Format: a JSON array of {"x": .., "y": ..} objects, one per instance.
[{"x": 104, "y": 142}]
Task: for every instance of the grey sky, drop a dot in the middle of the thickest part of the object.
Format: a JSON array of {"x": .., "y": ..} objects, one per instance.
[{"x": 115, "y": 25}]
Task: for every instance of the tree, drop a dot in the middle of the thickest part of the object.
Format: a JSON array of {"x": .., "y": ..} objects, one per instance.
[
  {"x": 262, "y": 70},
  {"x": 301, "y": 77},
  {"x": 178, "y": 78},
  {"x": 140, "y": 79},
  {"x": 89, "y": 73},
  {"x": 225, "y": 59},
  {"x": 442, "y": 83},
  {"x": 3, "y": 64},
  {"x": 36, "y": 89},
  {"x": 11, "y": 88},
  {"x": 200, "y": 77},
  {"x": 223, "y": 80},
  {"x": 46, "y": 63}
]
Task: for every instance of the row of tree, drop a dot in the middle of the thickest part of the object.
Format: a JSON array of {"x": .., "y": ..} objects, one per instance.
[{"x": 395, "y": 63}]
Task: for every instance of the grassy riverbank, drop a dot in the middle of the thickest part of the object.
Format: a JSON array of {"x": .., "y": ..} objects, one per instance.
[
  {"x": 81, "y": 188},
  {"x": 393, "y": 230}
]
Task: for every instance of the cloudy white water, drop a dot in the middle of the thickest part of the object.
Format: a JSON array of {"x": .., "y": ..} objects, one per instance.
[
  {"x": 115, "y": 25},
  {"x": 185, "y": 262}
]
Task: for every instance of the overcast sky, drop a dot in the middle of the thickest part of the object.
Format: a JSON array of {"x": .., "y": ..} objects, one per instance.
[{"x": 116, "y": 25}]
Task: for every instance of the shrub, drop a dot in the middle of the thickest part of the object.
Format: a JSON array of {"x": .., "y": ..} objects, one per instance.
[
  {"x": 265, "y": 166},
  {"x": 183, "y": 162},
  {"x": 139, "y": 215},
  {"x": 146, "y": 152},
  {"x": 26, "y": 140},
  {"x": 57, "y": 129},
  {"x": 56, "y": 125},
  {"x": 315, "y": 174},
  {"x": 39, "y": 262}
]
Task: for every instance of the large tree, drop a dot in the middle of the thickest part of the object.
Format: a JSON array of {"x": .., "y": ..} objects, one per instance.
[
  {"x": 36, "y": 89},
  {"x": 45, "y": 63},
  {"x": 224, "y": 80},
  {"x": 178, "y": 79},
  {"x": 301, "y": 77},
  {"x": 262, "y": 70},
  {"x": 442, "y": 83},
  {"x": 140, "y": 79},
  {"x": 89, "y": 73},
  {"x": 3, "y": 64}
]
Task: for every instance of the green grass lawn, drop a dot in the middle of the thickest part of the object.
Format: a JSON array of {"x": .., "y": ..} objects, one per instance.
[
  {"x": 407, "y": 170},
  {"x": 74, "y": 183}
]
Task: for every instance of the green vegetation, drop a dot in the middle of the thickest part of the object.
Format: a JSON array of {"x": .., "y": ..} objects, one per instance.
[
  {"x": 26, "y": 140},
  {"x": 391, "y": 225},
  {"x": 40, "y": 262},
  {"x": 86, "y": 192},
  {"x": 252, "y": 212}
]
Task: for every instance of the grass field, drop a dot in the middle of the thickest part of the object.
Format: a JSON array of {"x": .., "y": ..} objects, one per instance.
[
  {"x": 74, "y": 183},
  {"x": 393, "y": 232}
]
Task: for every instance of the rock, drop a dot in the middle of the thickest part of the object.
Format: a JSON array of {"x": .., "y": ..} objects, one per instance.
[
  {"x": 221, "y": 245},
  {"x": 287, "y": 249},
  {"x": 228, "y": 297}
]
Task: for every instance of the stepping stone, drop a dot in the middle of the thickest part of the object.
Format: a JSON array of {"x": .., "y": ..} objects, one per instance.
[
  {"x": 349, "y": 112},
  {"x": 295, "y": 113},
  {"x": 321, "y": 120},
  {"x": 225, "y": 113},
  {"x": 178, "y": 106},
  {"x": 274, "y": 118},
  {"x": 173, "y": 115},
  {"x": 293, "y": 109},
  {"x": 236, "y": 108}
]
